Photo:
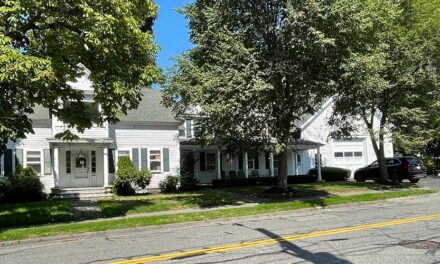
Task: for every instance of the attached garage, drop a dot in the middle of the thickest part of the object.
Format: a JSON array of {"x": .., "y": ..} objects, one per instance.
[{"x": 350, "y": 154}]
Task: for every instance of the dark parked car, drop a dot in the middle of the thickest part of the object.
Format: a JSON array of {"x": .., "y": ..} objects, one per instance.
[{"x": 399, "y": 169}]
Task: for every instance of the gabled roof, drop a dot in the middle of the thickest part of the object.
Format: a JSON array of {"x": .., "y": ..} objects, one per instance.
[{"x": 150, "y": 109}]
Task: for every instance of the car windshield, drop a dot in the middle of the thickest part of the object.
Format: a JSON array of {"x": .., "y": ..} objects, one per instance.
[{"x": 414, "y": 162}]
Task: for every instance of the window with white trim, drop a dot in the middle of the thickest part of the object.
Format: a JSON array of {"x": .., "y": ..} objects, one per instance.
[
  {"x": 251, "y": 163},
  {"x": 124, "y": 153},
  {"x": 349, "y": 154},
  {"x": 211, "y": 161},
  {"x": 68, "y": 162},
  {"x": 155, "y": 161},
  {"x": 93, "y": 161},
  {"x": 33, "y": 160},
  {"x": 298, "y": 159}
]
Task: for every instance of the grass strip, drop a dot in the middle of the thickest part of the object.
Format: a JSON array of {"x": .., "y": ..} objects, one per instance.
[{"x": 94, "y": 226}]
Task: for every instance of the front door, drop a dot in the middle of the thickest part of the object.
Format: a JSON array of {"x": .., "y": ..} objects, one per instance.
[{"x": 80, "y": 176}]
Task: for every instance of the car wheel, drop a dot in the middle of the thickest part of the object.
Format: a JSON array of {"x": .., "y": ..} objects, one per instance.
[
  {"x": 414, "y": 180},
  {"x": 359, "y": 179}
]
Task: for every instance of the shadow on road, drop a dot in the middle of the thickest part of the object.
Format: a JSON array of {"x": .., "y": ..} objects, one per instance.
[{"x": 294, "y": 250}]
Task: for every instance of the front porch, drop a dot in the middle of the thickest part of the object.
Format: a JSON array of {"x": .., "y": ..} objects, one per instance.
[
  {"x": 213, "y": 163},
  {"x": 82, "y": 163}
]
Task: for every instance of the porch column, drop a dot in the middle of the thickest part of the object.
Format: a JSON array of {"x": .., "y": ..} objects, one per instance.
[
  {"x": 319, "y": 165},
  {"x": 272, "y": 170},
  {"x": 56, "y": 166},
  {"x": 196, "y": 164},
  {"x": 246, "y": 165},
  {"x": 295, "y": 162},
  {"x": 219, "y": 164},
  {"x": 106, "y": 174}
]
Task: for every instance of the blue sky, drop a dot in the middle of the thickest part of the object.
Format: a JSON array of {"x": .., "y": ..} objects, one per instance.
[{"x": 171, "y": 32}]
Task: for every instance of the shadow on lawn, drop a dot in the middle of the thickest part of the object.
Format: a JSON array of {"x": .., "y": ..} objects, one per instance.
[
  {"x": 157, "y": 203},
  {"x": 26, "y": 214}
]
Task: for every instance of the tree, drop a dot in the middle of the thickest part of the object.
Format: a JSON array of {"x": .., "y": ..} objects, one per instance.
[
  {"x": 392, "y": 69},
  {"x": 255, "y": 69},
  {"x": 46, "y": 44}
]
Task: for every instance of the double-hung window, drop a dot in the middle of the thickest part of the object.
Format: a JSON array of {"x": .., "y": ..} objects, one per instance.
[
  {"x": 124, "y": 153},
  {"x": 33, "y": 160},
  {"x": 155, "y": 161}
]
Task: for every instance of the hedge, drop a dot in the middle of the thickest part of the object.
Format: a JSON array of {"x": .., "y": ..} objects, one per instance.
[
  {"x": 332, "y": 174},
  {"x": 295, "y": 179}
]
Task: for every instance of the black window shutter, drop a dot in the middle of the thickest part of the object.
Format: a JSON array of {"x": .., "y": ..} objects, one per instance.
[
  {"x": 257, "y": 161},
  {"x": 240, "y": 162},
  {"x": 267, "y": 157},
  {"x": 188, "y": 128},
  {"x": 18, "y": 158},
  {"x": 8, "y": 162},
  {"x": 135, "y": 157},
  {"x": 202, "y": 161},
  {"x": 111, "y": 161}
]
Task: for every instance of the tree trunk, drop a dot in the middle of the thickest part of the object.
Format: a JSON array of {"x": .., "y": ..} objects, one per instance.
[
  {"x": 383, "y": 172},
  {"x": 282, "y": 171},
  {"x": 381, "y": 157}
]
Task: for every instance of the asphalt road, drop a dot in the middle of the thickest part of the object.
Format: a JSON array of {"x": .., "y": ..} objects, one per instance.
[{"x": 398, "y": 242}]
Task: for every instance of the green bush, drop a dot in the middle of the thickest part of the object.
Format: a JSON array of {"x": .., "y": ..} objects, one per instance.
[
  {"x": 188, "y": 181},
  {"x": 143, "y": 178},
  {"x": 169, "y": 185},
  {"x": 331, "y": 174},
  {"x": 128, "y": 178},
  {"x": 431, "y": 165},
  {"x": 22, "y": 186}
]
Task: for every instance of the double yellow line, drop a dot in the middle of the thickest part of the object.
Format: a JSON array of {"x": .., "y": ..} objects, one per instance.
[{"x": 271, "y": 241}]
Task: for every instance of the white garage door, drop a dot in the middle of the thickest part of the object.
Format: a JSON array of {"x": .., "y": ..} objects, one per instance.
[{"x": 349, "y": 154}]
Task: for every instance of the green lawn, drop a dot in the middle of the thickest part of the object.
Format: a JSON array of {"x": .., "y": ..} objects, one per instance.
[
  {"x": 119, "y": 206},
  {"x": 321, "y": 189},
  {"x": 22, "y": 214},
  {"x": 82, "y": 227}
]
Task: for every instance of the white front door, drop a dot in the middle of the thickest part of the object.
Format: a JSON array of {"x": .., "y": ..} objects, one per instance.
[{"x": 81, "y": 174}]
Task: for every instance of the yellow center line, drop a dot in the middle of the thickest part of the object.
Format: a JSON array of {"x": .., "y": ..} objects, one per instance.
[{"x": 277, "y": 240}]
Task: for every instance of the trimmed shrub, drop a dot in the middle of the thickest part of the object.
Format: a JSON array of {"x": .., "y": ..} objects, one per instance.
[
  {"x": 22, "y": 186},
  {"x": 169, "y": 185},
  {"x": 294, "y": 179},
  {"x": 142, "y": 178},
  {"x": 128, "y": 178},
  {"x": 331, "y": 174}
]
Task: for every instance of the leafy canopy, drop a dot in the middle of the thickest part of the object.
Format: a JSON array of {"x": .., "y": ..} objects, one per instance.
[
  {"x": 255, "y": 69},
  {"x": 43, "y": 45}
]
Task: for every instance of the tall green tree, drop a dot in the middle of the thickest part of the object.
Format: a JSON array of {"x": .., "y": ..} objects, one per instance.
[
  {"x": 43, "y": 45},
  {"x": 392, "y": 69},
  {"x": 256, "y": 67}
]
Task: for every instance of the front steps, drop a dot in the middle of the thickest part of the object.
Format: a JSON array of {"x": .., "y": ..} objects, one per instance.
[{"x": 88, "y": 193}]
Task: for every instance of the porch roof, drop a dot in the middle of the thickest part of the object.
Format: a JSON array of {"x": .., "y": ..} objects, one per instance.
[
  {"x": 81, "y": 141},
  {"x": 297, "y": 144}
]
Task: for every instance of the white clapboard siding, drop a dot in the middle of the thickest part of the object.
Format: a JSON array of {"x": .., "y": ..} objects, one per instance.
[
  {"x": 318, "y": 130},
  {"x": 150, "y": 137}
]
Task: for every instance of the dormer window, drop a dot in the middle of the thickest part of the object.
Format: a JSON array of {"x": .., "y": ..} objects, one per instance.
[{"x": 91, "y": 108}]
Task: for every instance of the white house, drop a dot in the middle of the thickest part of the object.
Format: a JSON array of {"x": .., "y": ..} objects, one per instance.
[
  {"x": 153, "y": 138},
  {"x": 148, "y": 135},
  {"x": 354, "y": 153}
]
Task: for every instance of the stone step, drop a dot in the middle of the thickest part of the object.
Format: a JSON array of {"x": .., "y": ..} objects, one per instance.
[{"x": 82, "y": 193}]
